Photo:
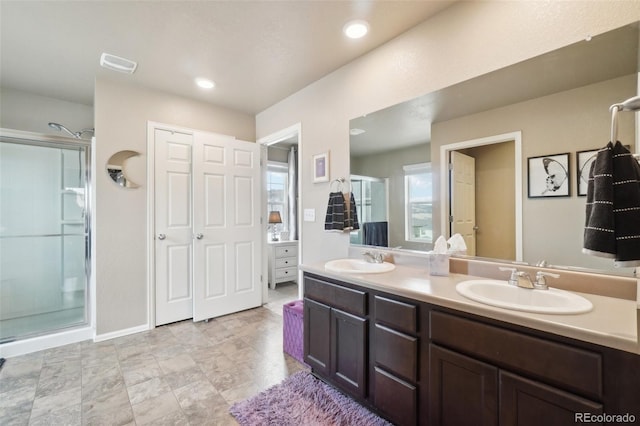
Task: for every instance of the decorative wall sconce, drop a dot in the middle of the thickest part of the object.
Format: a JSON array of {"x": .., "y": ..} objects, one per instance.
[{"x": 116, "y": 168}]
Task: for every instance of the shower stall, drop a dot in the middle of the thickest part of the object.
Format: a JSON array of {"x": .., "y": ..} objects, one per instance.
[
  {"x": 44, "y": 235},
  {"x": 372, "y": 205}
]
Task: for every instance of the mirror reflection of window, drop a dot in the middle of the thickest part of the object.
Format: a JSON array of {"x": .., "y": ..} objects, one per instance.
[
  {"x": 277, "y": 190},
  {"x": 418, "y": 203}
]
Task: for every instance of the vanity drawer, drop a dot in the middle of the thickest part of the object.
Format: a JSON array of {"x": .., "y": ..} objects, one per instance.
[
  {"x": 350, "y": 300},
  {"x": 395, "y": 398},
  {"x": 286, "y": 262},
  {"x": 346, "y": 299},
  {"x": 287, "y": 273},
  {"x": 564, "y": 366},
  {"x": 287, "y": 251},
  {"x": 399, "y": 315},
  {"x": 396, "y": 352}
]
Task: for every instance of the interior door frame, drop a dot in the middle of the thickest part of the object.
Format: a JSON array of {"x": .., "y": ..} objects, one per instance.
[
  {"x": 445, "y": 180},
  {"x": 264, "y": 142}
]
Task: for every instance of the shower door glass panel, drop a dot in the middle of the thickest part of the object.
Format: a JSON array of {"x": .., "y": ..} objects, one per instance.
[
  {"x": 43, "y": 239},
  {"x": 370, "y": 195}
]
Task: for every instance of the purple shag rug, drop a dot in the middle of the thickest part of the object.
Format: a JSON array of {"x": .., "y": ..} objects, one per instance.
[{"x": 302, "y": 399}]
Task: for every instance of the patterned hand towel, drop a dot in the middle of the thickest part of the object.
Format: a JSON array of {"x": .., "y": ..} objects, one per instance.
[{"x": 612, "y": 225}]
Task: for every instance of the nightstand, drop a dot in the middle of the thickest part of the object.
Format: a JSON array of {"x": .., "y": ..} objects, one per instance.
[{"x": 283, "y": 262}]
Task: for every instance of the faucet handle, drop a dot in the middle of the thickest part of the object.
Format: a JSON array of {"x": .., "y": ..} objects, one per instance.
[
  {"x": 541, "y": 281},
  {"x": 513, "y": 278}
]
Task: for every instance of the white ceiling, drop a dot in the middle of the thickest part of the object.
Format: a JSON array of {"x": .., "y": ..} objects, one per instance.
[{"x": 257, "y": 52}]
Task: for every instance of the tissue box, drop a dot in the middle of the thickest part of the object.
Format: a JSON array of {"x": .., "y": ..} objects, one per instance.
[
  {"x": 292, "y": 319},
  {"x": 439, "y": 264}
]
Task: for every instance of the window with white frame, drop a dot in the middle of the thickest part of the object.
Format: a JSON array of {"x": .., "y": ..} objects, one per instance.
[
  {"x": 277, "y": 192},
  {"x": 418, "y": 203}
]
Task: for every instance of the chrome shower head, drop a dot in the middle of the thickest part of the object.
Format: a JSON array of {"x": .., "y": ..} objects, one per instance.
[
  {"x": 60, "y": 127},
  {"x": 77, "y": 135}
]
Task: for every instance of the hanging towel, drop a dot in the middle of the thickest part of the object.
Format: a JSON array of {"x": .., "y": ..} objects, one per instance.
[
  {"x": 375, "y": 234},
  {"x": 351, "y": 221},
  {"x": 612, "y": 225},
  {"x": 341, "y": 215}
]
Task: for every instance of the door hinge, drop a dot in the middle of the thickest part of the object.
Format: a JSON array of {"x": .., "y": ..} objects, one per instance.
[
  {"x": 260, "y": 278},
  {"x": 450, "y": 166},
  {"x": 450, "y": 219},
  {"x": 260, "y": 220}
]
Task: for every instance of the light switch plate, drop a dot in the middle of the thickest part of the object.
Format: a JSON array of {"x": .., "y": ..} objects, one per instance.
[{"x": 309, "y": 215}]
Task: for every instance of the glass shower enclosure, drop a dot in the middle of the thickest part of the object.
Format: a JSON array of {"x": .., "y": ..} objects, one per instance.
[
  {"x": 371, "y": 197},
  {"x": 44, "y": 236}
]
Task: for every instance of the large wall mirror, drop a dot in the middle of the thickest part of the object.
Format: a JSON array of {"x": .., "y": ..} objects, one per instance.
[{"x": 545, "y": 107}]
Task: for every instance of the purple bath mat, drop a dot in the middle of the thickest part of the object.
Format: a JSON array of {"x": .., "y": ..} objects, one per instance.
[{"x": 301, "y": 399}]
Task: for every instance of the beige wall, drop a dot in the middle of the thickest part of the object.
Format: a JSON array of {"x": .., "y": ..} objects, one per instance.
[
  {"x": 570, "y": 121},
  {"x": 31, "y": 113},
  {"x": 464, "y": 41},
  {"x": 389, "y": 165},
  {"x": 121, "y": 115}
]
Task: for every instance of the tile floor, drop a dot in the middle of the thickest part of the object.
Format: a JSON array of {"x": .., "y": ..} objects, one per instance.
[{"x": 181, "y": 374}]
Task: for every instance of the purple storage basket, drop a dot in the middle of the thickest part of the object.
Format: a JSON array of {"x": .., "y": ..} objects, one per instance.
[{"x": 293, "y": 341}]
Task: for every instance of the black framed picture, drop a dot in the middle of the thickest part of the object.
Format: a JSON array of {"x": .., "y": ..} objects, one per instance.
[
  {"x": 548, "y": 176},
  {"x": 584, "y": 159}
]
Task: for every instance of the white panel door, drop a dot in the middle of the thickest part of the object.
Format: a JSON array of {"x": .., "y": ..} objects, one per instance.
[
  {"x": 227, "y": 248},
  {"x": 173, "y": 226},
  {"x": 463, "y": 199}
]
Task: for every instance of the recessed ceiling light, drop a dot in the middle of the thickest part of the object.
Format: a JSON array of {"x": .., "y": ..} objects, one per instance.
[
  {"x": 205, "y": 83},
  {"x": 356, "y": 29},
  {"x": 355, "y": 131}
]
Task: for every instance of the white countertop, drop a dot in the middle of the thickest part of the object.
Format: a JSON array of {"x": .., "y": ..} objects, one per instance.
[{"x": 612, "y": 322}]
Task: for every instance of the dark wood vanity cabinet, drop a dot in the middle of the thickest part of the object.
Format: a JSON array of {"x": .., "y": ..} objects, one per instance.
[
  {"x": 417, "y": 364},
  {"x": 335, "y": 334},
  {"x": 483, "y": 369}
]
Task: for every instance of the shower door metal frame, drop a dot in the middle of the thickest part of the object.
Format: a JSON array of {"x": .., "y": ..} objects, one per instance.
[{"x": 49, "y": 141}]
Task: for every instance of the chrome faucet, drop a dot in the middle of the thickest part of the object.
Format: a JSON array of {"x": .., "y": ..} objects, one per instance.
[
  {"x": 541, "y": 281},
  {"x": 374, "y": 256},
  {"x": 523, "y": 279}
]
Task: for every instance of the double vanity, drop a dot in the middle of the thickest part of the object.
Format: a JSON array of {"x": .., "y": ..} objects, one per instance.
[{"x": 465, "y": 349}]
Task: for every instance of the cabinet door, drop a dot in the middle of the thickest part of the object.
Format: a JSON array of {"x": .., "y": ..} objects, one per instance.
[
  {"x": 349, "y": 345},
  {"x": 317, "y": 332},
  {"x": 462, "y": 390},
  {"x": 524, "y": 402}
]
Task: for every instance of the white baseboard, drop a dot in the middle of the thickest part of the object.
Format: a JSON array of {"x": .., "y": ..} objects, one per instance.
[
  {"x": 121, "y": 333},
  {"x": 41, "y": 343}
]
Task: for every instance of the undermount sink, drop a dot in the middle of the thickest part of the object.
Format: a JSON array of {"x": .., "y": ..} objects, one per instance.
[
  {"x": 358, "y": 266},
  {"x": 501, "y": 294}
]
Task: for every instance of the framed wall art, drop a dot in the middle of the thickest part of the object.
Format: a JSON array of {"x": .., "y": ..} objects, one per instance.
[
  {"x": 321, "y": 167},
  {"x": 584, "y": 159},
  {"x": 548, "y": 176}
]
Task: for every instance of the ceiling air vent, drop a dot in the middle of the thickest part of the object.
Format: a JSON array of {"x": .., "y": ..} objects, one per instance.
[{"x": 116, "y": 63}]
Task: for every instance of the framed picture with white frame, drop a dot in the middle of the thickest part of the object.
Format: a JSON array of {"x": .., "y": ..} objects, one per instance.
[{"x": 321, "y": 167}]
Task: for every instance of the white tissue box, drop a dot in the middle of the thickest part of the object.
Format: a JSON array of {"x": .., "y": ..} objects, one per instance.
[{"x": 439, "y": 264}]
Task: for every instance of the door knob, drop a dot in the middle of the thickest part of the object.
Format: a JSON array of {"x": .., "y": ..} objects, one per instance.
[
  {"x": 475, "y": 228},
  {"x": 161, "y": 236},
  {"x": 199, "y": 236}
]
